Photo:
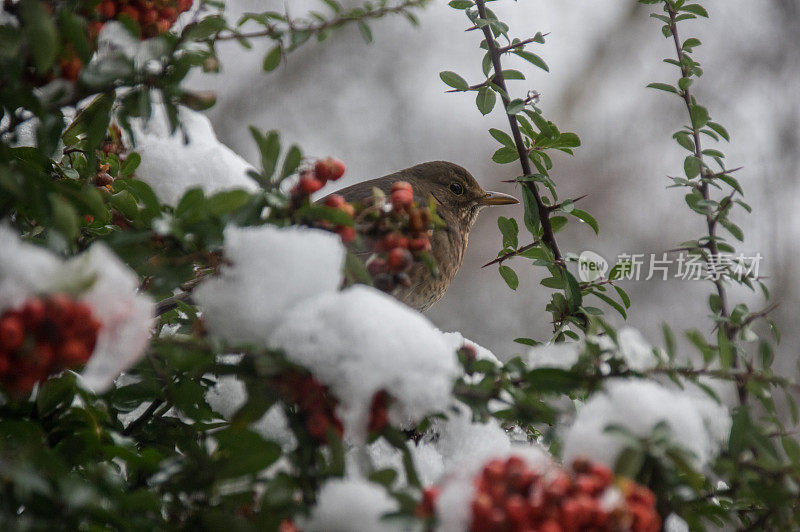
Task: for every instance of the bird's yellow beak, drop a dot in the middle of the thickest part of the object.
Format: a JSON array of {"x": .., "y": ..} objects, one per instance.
[{"x": 498, "y": 198}]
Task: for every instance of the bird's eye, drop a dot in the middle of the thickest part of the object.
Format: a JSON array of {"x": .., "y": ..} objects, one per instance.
[{"x": 456, "y": 188}]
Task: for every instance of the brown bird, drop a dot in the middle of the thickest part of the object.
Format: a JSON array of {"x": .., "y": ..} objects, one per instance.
[{"x": 459, "y": 198}]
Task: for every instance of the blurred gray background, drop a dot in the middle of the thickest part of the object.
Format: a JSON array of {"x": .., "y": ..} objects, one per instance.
[{"x": 382, "y": 107}]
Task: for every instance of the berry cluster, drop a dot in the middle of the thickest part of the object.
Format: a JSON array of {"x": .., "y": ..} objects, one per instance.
[
  {"x": 397, "y": 231},
  {"x": 315, "y": 403},
  {"x": 43, "y": 337},
  {"x": 312, "y": 180},
  {"x": 510, "y": 496},
  {"x": 399, "y": 238},
  {"x": 153, "y": 16}
]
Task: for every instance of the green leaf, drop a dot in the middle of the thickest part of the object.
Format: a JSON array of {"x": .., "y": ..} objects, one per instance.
[
  {"x": 273, "y": 58},
  {"x": 227, "y": 201},
  {"x": 291, "y": 161},
  {"x": 509, "y": 276},
  {"x": 690, "y": 43},
  {"x": 366, "y": 32},
  {"x": 663, "y": 87},
  {"x": 531, "y": 217},
  {"x": 697, "y": 9},
  {"x": 41, "y": 32},
  {"x": 502, "y": 137},
  {"x": 720, "y": 130},
  {"x": 623, "y": 295},
  {"x": 485, "y": 100},
  {"x": 205, "y": 28},
  {"x": 130, "y": 164},
  {"x": 242, "y": 452},
  {"x": 526, "y": 341},
  {"x": 510, "y": 231},
  {"x": 557, "y": 223},
  {"x": 691, "y": 165},
  {"x": 533, "y": 59},
  {"x": 586, "y": 218},
  {"x": 684, "y": 139},
  {"x": 269, "y": 146},
  {"x": 454, "y": 80},
  {"x": 65, "y": 217},
  {"x": 505, "y": 155},
  {"x": 461, "y": 4},
  {"x": 699, "y": 115},
  {"x": 515, "y": 106},
  {"x": 572, "y": 291},
  {"x": 513, "y": 74}
]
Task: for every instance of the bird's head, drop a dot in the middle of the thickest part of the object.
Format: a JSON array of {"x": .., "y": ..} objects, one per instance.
[{"x": 455, "y": 191}]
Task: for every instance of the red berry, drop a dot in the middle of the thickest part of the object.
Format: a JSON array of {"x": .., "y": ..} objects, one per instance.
[
  {"x": 309, "y": 184},
  {"x": 399, "y": 259},
  {"x": 107, "y": 9},
  {"x": 287, "y": 526},
  {"x": 335, "y": 201},
  {"x": 558, "y": 487},
  {"x": 150, "y": 16},
  {"x": 402, "y": 185},
  {"x": 394, "y": 240},
  {"x": 602, "y": 474},
  {"x": 163, "y": 26},
  {"x": 130, "y": 11},
  {"x": 493, "y": 471},
  {"x": 33, "y": 312},
  {"x": 74, "y": 352},
  {"x": 427, "y": 506},
  {"x": 401, "y": 199},
  {"x": 12, "y": 332},
  {"x": 516, "y": 508},
  {"x": 329, "y": 169},
  {"x": 336, "y": 168},
  {"x": 551, "y": 525},
  {"x": 420, "y": 243},
  {"x": 184, "y": 5},
  {"x": 169, "y": 13},
  {"x": 346, "y": 233},
  {"x": 71, "y": 68},
  {"x": 377, "y": 266},
  {"x": 94, "y": 28},
  {"x": 45, "y": 356},
  {"x": 378, "y": 416},
  {"x": 317, "y": 425}
]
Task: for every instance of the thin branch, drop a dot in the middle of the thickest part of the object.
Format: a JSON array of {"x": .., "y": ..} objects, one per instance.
[
  {"x": 548, "y": 236},
  {"x": 510, "y": 254},
  {"x": 275, "y": 32},
  {"x": 170, "y": 303},
  {"x": 711, "y": 220},
  {"x": 510, "y": 47},
  {"x": 146, "y": 415}
]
